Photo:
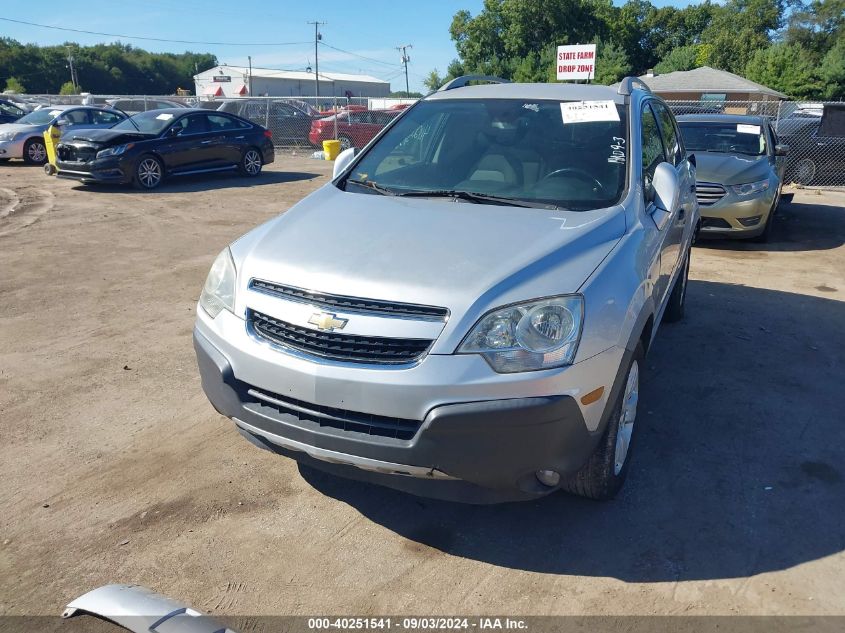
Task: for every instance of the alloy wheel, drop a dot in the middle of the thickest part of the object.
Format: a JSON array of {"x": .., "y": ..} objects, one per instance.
[
  {"x": 149, "y": 173},
  {"x": 252, "y": 162},
  {"x": 37, "y": 152},
  {"x": 627, "y": 417},
  {"x": 806, "y": 171}
]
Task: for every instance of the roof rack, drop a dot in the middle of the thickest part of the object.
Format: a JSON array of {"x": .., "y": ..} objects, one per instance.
[
  {"x": 629, "y": 84},
  {"x": 460, "y": 82}
]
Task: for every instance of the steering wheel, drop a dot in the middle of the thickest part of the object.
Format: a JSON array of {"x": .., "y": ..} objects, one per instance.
[{"x": 580, "y": 174}]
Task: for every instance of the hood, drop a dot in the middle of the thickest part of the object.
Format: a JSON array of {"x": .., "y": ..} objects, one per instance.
[
  {"x": 105, "y": 137},
  {"x": 463, "y": 256},
  {"x": 14, "y": 128},
  {"x": 730, "y": 169}
]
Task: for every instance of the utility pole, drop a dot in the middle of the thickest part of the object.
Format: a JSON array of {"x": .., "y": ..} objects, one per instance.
[
  {"x": 73, "y": 78},
  {"x": 317, "y": 38},
  {"x": 249, "y": 57},
  {"x": 405, "y": 60}
]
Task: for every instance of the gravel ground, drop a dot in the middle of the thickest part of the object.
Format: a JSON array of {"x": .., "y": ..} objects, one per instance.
[{"x": 115, "y": 468}]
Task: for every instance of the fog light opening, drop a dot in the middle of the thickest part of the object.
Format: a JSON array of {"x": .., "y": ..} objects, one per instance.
[
  {"x": 755, "y": 219},
  {"x": 548, "y": 478}
]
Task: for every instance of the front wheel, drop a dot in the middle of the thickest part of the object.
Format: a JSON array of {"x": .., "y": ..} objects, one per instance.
[
  {"x": 251, "y": 163},
  {"x": 149, "y": 172},
  {"x": 35, "y": 152},
  {"x": 605, "y": 471}
]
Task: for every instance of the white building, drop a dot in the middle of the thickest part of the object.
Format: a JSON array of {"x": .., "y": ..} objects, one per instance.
[{"x": 234, "y": 81}]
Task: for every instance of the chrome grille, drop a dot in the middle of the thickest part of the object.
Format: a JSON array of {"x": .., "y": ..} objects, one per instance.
[
  {"x": 348, "y": 304},
  {"x": 343, "y": 347},
  {"x": 709, "y": 193}
]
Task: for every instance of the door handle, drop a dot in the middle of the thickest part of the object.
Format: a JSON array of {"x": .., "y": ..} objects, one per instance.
[
  {"x": 204, "y": 142},
  {"x": 241, "y": 137}
]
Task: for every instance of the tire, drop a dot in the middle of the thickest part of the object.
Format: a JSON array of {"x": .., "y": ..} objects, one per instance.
[
  {"x": 677, "y": 300},
  {"x": 345, "y": 142},
  {"x": 251, "y": 163},
  {"x": 149, "y": 173},
  {"x": 766, "y": 235},
  {"x": 35, "y": 152},
  {"x": 5, "y": 160},
  {"x": 606, "y": 469},
  {"x": 805, "y": 171}
]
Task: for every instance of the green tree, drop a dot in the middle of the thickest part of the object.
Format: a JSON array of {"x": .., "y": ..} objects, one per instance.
[
  {"x": 14, "y": 84},
  {"x": 611, "y": 63},
  {"x": 683, "y": 58},
  {"x": 739, "y": 29},
  {"x": 832, "y": 71},
  {"x": 68, "y": 88},
  {"x": 788, "y": 68},
  {"x": 817, "y": 26},
  {"x": 433, "y": 81}
]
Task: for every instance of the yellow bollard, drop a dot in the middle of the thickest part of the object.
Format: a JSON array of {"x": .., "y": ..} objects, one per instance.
[{"x": 51, "y": 138}]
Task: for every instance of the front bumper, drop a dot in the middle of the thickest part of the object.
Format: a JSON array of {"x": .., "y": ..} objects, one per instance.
[
  {"x": 12, "y": 149},
  {"x": 105, "y": 170},
  {"x": 733, "y": 216},
  {"x": 480, "y": 436}
]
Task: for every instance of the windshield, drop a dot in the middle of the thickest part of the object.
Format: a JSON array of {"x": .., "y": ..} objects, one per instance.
[
  {"x": 151, "y": 122},
  {"x": 40, "y": 117},
  {"x": 726, "y": 138},
  {"x": 526, "y": 150}
]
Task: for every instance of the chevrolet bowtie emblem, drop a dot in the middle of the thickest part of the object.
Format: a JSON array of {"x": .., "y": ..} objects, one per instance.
[{"x": 327, "y": 322}]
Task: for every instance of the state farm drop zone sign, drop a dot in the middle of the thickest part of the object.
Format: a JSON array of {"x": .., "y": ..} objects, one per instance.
[{"x": 576, "y": 62}]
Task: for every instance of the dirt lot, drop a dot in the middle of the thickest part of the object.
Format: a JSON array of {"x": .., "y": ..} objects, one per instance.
[{"x": 115, "y": 468}]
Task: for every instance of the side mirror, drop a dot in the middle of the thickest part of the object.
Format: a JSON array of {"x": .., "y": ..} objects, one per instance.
[
  {"x": 692, "y": 159},
  {"x": 781, "y": 150},
  {"x": 665, "y": 194},
  {"x": 343, "y": 161},
  {"x": 174, "y": 131},
  {"x": 61, "y": 121}
]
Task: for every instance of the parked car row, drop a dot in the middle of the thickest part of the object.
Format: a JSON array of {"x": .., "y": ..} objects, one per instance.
[{"x": 99, "y": 145}]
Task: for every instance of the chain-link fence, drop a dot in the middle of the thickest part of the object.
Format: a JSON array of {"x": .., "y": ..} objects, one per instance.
[
  {"x": 296, "y": 122},
  {"x": 813, "y": 131}
]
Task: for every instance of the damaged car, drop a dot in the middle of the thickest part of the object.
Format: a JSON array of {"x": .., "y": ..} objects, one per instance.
[{"x": 149, "y": 147}]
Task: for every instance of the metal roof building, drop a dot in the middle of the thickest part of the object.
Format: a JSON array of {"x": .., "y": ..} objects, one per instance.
[
  {"x": 234, "y": 81},
  {"x": 718, "y": 85}
]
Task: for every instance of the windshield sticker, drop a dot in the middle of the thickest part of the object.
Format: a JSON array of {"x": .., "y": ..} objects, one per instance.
[
  {"x": 55, "y": 112},
  {"x": 588, "y": 111},
  {"x": 165, "y": 116},
  {"x": 747, "y": 129},
  {"x": 617, "y": 151},
  {"x": 534, "y": 107}
]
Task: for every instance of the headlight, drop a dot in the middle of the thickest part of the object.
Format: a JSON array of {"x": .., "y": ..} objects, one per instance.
[
  {"x": 8, "y": 136},
  {"x": 114, "y": 151},
  {"x": 750, "y": 187},
  {"x": 538, "y": 334},
  {"x": 219, "y": 289}
]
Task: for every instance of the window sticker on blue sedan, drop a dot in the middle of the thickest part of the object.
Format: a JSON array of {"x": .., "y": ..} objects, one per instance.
[
  {"x": 165, "y": 116},
  {"x": 588, "y": 111},
  {"x": 747, "y": 129}
]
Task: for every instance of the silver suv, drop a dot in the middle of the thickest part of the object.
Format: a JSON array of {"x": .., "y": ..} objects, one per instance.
[{"x": 464, "y": 310}]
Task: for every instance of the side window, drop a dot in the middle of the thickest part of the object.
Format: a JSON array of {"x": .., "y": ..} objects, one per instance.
[
  {"x": 671, "y": 139},
  {"x": 191, "y": 124},
  {"x": 652, "y": 145},
  {"x": 359, "y": 117},
  {"x": 101, "y": 117},
  {"x": 220, "y": 123},
  {"x": 76, "y": 117}
]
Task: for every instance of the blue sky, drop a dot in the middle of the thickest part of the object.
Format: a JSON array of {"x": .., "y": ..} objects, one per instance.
[{"x": 367, "y": 29}]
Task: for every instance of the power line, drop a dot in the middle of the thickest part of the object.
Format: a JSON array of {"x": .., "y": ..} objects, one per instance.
[
  {"x": 152, "y": 39},
  {"x": 378, "y": 61}
]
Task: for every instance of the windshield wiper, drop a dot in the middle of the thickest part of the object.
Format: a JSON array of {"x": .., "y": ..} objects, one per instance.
[
  {"x": 368, "y": 184},
  {"x": 479, "y": 198},
  {"x": 128, "y": 118}
]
